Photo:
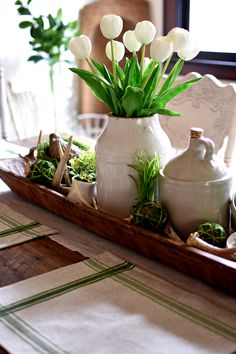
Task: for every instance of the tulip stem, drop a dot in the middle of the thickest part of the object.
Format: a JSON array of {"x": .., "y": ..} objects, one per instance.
[
  {"x": 148, "y": 76},
  {"x": 113, "y": 61},
  {"x": 92, "y": 66},
  {"x": 163, "y": 71},
  {"x": 142, "y": 58}
]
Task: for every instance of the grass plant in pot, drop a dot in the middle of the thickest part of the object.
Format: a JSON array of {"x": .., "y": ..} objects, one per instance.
[
  {"x": 146, "y": 210},
  {"x": 83, "y": 172},
  {"x": 135, "y": 95}
]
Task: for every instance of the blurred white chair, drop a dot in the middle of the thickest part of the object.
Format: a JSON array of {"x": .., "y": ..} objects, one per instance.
[
  {"x": 24, "y": 113},
  {"x": 18, "y": 111},
  {"x": 210, "y": 105},
  {"x": 3, "y": 105},
  {"x": 91, "y": 124}
]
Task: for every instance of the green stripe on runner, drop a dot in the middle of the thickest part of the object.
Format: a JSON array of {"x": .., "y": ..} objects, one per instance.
[
  {"x": 170, "y": 303},
  {"x": 9, "y": 221},
  {"x": 20, "y": 228},
  {"x": 31, "y": 336},
  {"x": 49, "y": 294}
]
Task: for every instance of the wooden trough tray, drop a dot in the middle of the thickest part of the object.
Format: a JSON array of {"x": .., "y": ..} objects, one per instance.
[{"x": 202, "y": 265}]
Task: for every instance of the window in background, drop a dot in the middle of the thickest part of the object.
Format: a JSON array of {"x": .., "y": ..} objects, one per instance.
[{"x": 212, "y": 24}]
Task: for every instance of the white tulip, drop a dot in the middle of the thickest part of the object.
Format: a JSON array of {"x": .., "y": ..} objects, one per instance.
[
  {"x": 180, "y": 38},
  {"x": 111, "y": 26},
  {"x": 161, "y": 48},
  {"x": 189, "y": 52},
  {"x": 131, "y": 42},
  {"x": 80, "y": 47},
  {"x": 145, "y": 31},
  {"x": 119, "y": 50}
]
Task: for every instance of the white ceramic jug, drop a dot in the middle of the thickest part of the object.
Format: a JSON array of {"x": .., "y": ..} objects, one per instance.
[{"x": 195, "y": 187}]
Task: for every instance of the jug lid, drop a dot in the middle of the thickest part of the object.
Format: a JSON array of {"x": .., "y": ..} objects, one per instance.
[{"x": 198, "y": 162}]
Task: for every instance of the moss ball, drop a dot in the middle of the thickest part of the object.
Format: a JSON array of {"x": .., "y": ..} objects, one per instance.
[
  {"x": 42, "y": 172},
  {"x": 150, "y": 215},
  {"x": 212, "y": 233}
]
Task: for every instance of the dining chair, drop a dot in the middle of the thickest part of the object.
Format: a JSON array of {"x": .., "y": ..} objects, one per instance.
[
  {"x": 210, "y": 105},
  {"x": 3, "y": 105},
  {"x": 18, "y": 112},
  {"x": 91, "y": 124}
]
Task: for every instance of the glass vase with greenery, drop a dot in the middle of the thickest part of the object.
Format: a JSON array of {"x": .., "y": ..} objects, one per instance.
[{"x": 49, "y": 39}]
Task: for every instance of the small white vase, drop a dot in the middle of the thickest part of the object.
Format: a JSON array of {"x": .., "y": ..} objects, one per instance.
[
  {"x": 116, "y": 147},
  {"x": 82, "y": 192}
]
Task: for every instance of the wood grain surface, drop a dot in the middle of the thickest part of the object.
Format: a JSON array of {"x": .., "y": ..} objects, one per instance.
[{"x": 32, "y": 258}]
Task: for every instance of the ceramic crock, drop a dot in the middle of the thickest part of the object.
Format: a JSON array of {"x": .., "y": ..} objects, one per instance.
[
  {"x": 116, "y": 147},
  {"x": 195, "y": 187}
]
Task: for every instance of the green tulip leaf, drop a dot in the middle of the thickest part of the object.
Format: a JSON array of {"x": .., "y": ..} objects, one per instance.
[
  {"x": 146, "y": 112},
  {"x": 167, "y": 96},
  {"x": 99, "y": 86},
  {"x": 103, "y": 71},
  {"x": 150, "y": 86},
  {"x": 172, "y": 76},
  {"x": 132, "y": 76},
  {"x": 131, "y": 101}
]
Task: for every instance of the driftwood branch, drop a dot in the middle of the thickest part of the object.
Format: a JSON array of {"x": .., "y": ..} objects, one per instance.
[
  {"x": 194, "y": 240},
  {"x": 56, "y": 182}
]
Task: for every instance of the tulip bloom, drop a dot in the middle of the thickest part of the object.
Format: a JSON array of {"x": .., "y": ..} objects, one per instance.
[
  {"x": 131, "y": 42},
  {"x": 118, "y": 48},
  {"x": 180, "y": 38},
  {"x": 189, "y": 52},
  {"x": 161, "y": 48},
  {"x": 111, "y": 26},
  {"x": 145, "y": 32},
  {"x": 80, "y": 47}
]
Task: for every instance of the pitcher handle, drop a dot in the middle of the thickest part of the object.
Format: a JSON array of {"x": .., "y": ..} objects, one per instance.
[{"x": 209, "y": 147}]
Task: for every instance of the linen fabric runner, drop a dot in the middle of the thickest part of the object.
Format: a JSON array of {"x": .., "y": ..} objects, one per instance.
[
  {"x": 109, "y": 306},
  {"x": 16, "y": 228}
]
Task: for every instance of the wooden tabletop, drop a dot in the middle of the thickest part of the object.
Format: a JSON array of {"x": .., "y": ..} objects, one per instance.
[{"x": 32, "y": 258}]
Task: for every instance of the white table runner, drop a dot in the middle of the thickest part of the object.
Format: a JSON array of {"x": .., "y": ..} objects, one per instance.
[
  {"x": 17, "y": 228},
  {"x": 109, "y": 306}
]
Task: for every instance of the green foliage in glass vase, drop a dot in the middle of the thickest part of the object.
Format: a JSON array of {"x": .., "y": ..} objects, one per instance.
[
  {"x": 136, "y": 89},
  {"x": 49, "y": 35},
  {"x": 146, "y": 211},
  {"x": 212, "y": 233},
  {"x": 83, "y": 167}
]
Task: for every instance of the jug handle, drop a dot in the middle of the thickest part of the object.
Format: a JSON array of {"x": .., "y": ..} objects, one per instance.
[{"x": 209, "y": 147}]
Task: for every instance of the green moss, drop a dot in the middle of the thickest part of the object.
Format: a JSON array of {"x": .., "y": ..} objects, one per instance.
[
  {"x": 42, "y": 172},
  {"x": 212, "y": 233}
]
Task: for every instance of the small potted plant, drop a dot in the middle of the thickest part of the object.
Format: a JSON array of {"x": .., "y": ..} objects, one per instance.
[
  {"x": 83, "y": 172},
  {"x": 146, "y": 210}
]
